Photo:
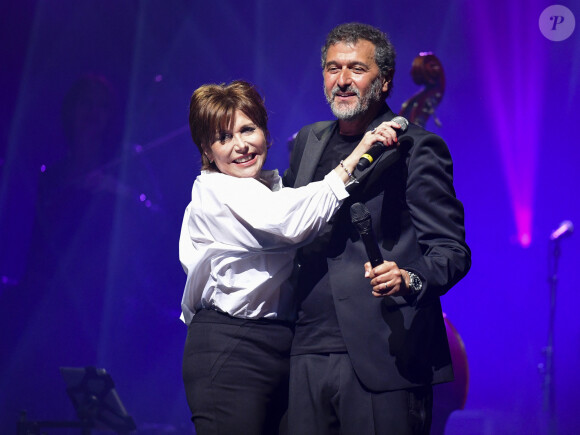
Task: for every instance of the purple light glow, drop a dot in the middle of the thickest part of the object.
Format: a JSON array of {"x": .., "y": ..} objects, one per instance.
[{"x": 512, "y": 72}]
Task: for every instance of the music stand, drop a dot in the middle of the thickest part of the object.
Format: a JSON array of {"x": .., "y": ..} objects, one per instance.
[
  {"x": 95, "y": 399},
  {"x": 96, "y": 402}
]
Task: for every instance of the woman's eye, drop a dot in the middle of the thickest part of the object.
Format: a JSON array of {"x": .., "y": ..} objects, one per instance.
[
  {"x": 224, "y": 137},
  {"x": 248, "y": 130}
]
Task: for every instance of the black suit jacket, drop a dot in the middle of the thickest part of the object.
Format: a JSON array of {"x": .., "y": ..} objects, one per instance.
[{"x": 393, "y": 342}]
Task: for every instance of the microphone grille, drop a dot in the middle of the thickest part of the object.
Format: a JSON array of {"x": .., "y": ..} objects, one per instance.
[
  {"x": 359, "y": 213},
  {"x": 565, "y": 229},
  {"x": 568, "y": 225},
  {"x": 402, "y": 121}
]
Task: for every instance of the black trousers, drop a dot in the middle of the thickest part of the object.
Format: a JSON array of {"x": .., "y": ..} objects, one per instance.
[
  {"x": 236, "y": 374},
  {"x": 326, "y": 398}
]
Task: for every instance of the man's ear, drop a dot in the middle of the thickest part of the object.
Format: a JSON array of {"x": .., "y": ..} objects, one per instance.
[{"x": 385, "y": 86}]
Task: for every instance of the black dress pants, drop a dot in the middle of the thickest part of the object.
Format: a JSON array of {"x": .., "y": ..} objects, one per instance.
[
  {"x": 326, "y": 398},
  {"x": 236, "y": 374}
]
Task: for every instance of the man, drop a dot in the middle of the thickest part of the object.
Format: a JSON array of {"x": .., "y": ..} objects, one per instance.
[{"x": 364, "y": 356}]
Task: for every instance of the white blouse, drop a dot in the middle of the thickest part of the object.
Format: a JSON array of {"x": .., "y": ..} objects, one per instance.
[{"x": 238, "y": 240}]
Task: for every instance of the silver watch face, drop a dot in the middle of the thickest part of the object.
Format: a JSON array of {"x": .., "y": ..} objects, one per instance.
[{"x": 415, "y": 282}]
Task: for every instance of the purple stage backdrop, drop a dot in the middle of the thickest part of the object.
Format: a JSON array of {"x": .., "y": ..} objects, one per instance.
[{"x": 508, "y": 114}]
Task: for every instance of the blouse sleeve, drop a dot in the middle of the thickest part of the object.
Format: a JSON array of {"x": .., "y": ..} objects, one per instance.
[{"x": 243, "y": 212}]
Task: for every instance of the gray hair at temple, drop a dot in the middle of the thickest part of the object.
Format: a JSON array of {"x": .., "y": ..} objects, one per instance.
[{"x": 351, "y": 33}]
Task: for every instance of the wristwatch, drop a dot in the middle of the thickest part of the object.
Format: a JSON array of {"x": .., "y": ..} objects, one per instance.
[{"x": 415, "y": 283}]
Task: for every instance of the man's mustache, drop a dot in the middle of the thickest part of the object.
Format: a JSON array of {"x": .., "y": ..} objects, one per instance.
[{"x": 350, "y": 88}]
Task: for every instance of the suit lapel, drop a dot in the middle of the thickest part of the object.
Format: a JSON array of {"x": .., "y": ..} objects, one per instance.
[
  {"x": 387, "y": 158},
  {"x": 311, "y": 155},
  {"x": 317, "y": 141}
]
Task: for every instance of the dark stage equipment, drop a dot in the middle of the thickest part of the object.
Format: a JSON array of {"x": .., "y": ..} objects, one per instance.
[
  {"x": 96, "y": 402},
  {"x": 565, "y": 229}
]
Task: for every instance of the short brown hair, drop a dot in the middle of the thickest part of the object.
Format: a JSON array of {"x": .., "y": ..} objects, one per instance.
[{"x": 212, "y": 109}]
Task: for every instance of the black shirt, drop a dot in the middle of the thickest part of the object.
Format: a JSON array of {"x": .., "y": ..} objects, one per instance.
[{"x": 317, "y": 328}]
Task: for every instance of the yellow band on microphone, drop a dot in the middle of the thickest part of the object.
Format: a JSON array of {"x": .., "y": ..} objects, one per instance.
[{"x": 368, "y": 157}]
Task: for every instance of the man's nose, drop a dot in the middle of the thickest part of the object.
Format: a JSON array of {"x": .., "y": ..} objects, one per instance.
[{"x": 344, "y": 78}]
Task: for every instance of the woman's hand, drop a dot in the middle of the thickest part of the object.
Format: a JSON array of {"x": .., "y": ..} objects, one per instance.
[{"x": 385, "y": 134}]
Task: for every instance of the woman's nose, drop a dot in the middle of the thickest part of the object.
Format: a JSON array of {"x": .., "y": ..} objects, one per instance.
[{"x": 239, "y": 144}]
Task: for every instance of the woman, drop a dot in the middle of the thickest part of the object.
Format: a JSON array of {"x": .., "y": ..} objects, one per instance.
[{"x": 237, "y": 244}]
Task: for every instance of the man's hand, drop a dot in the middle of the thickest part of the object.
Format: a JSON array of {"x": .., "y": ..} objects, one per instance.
[{"x": 387, "y": 279}]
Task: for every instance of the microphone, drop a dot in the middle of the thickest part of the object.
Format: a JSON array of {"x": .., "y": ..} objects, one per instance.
[
  {"x": 361, "y": 219},
  {"x": 566, "y": 228},
  {"x": 378, "y": 148}
]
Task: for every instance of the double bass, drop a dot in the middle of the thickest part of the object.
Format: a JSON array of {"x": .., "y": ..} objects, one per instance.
[
  {"x": 451, "y": 396},
  {"x": 426, "y": 70}
]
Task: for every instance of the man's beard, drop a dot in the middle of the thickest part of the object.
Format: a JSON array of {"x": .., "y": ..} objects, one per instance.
[{"x": 347, "y": 112}]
